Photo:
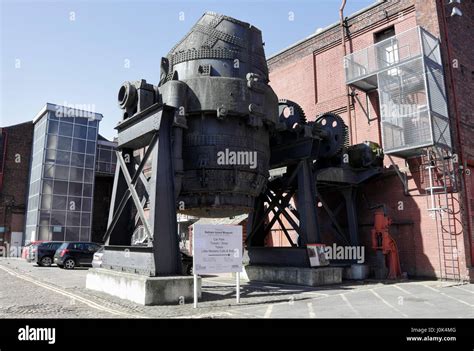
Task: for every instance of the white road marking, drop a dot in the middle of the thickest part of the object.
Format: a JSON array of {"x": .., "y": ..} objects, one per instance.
[
  {"x": 69, "y": 294},
  {"x": 449, "y": 296},
  {"x": 387, "y": 303},
  {"x": 401, "y": 289},
  {"x": 461, "y": 288},
  {"x": 428, "y": 287},
  {"x": 268, "y": 312},
  {"x": 346, "y": 300},
  {"x": 410, "y": 293},
  {"x": 311, "y": 310},
  {"x": 456, "y": 299}
]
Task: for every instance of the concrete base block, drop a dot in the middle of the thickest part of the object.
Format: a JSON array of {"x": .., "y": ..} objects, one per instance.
[
  {"x": 295, "y": 275},
  {"x": 142, "y": 289}
]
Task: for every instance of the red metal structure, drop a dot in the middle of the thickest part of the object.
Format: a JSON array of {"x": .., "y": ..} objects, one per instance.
[{"x": 382, "y": 240}]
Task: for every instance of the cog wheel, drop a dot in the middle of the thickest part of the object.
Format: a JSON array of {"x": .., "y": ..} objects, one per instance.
[
  {"x": 290, "y": 113},
  {"x": 335, "y": 136}
]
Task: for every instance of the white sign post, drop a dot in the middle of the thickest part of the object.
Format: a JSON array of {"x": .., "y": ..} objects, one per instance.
[{"x": 217, "y": 249}]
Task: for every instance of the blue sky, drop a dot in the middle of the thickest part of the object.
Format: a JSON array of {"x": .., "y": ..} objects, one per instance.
[{"x": 80, "y": 52}]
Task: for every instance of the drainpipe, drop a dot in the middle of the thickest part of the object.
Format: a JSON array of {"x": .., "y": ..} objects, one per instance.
[
  {"x": 458, "y": 128},
  {"x": 344, "y": 53}
]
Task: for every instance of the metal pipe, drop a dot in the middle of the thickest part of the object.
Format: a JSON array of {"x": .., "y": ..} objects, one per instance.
[
  {"x": 458, "y": 128},
  {"x": 344, "y": 53}
]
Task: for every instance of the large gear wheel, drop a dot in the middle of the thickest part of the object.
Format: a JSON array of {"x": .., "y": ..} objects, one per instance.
[
  {"x": 334, "y": 132},
  {"x": 290, "y": 113}
]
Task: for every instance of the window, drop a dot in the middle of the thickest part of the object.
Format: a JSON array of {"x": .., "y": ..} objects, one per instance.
[
  {"x": 81, "y": 121},
  {"x": 55, "y": 246},
  {"x": 387, "y": 50},
  {"x": 86, "y": 204},
  {"x": 89, "y": 161},
  {"x": 91, "y": 247},
  {"x": 59, "y": 202},
  {"x": 87, "y": 190},
  {"x": 77, "y": 160},
  {"x": 76, "y": 174},
  {"x": 46, "y": 202},
  {"x": 86, "y": 219},
  {"x": 74, "y": 203},
  {"x": 47, "y": 187},
  {"x": 79, "y": 145},
  {"x": 52, "y": 142},
  {"x": 58, "y": 218},
  {"x": 80, "y": 131},
  {"x": 64, "y": 143},
  {"x": 49, "y": 171},
  {"x": 65, "y": 128},
  {"x": 77, "y": 246},
  {"x": 75, "y": 189},
  {"x": 73, "y": 219},
  {"x": 90, "y": 148},
  {"x": 88, "y": 176},
  {"x": 60, "y": 187},
  {"x": 61, "y": 172},
  {"x": 63, "y": 158},
  {"x": 53, "y": 127}
]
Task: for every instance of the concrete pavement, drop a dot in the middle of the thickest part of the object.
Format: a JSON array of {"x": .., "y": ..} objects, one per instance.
[{"x": 29, "y": 291}]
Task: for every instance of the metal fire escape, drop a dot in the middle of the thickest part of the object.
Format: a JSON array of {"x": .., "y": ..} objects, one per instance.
[
  {"x": 407, "y": 71},
  {"x": 440, "y": 176}
]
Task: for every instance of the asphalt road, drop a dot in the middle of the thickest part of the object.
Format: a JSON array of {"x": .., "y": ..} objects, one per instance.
[{"x": 29, "y": 291}]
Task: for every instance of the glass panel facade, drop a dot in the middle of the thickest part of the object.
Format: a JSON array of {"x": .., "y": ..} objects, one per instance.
[
  {"x": 105, "y": 157},
  {"x": 62, "y": 178}
]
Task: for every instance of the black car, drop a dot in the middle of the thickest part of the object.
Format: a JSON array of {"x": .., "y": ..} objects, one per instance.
[
  {"x": 45, "y": 252},
  {"x": 187, "y": 263},
  {"x": 73, "y": 254}
]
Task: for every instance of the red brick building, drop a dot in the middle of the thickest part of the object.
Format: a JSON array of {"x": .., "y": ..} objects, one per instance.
[
  {"x": 313, "y": 74},
  {"x": 15, "y": 152}
]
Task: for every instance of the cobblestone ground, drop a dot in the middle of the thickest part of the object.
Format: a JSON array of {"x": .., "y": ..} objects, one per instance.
[{"x": 29, "y": 291}]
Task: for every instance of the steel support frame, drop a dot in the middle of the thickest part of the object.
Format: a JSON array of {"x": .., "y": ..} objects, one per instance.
[
  {"x": 120, "y": 210},
  {"x": 350, "y": 197},
  {"x": 402, "y": 175},
  {"x": 299, "y": 183},
  {"x": 258, "y": 216},
  {"x": 164, "y": 258}
]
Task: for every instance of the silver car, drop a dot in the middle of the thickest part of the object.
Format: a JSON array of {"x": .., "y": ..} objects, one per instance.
[{"x": 97, "y": 258}]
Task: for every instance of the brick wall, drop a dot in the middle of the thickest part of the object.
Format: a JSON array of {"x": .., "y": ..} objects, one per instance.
[
  {"x": 460, "y": 93},
  {"x": 16, "y": 173},
  {"x": 311, "y": 74}
]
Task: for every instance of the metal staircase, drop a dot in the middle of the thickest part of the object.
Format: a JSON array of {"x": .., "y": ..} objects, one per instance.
[{"x": 441, "y": 186}]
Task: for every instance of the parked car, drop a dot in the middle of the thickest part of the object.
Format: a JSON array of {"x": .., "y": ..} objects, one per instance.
[
  {"x": 45, "y": 252},
  {"x": 97, "y": 258},
  {"x": 26, "y": 249},
  {"x": 74, "y": 254},
  {"x": 187, "y": 263},
  {"x": 32, "y": 250}
]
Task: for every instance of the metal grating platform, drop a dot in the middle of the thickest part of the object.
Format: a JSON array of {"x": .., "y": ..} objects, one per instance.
[{"x": 408, "y": 73}]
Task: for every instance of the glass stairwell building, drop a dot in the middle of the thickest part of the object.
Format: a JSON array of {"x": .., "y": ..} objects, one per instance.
[{"x": 62, "y": 176}]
